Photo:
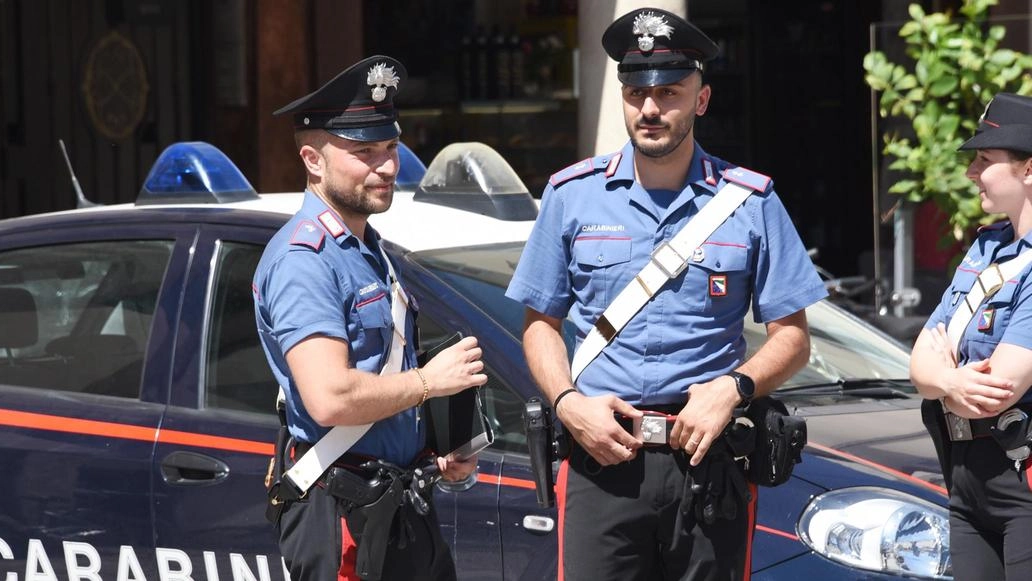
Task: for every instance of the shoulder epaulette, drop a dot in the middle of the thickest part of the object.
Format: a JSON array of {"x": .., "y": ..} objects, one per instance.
[
  {"x": 308, "y": 234},
  {"x": 748, "y": 178},
  {"x": 590, "y": 165}
]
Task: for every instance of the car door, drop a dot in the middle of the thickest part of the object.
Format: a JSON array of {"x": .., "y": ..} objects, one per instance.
[
  {"x": 495, "y": 528},
  {"x": 209, "y": 495},
  {"x": 85, "y": 312}
]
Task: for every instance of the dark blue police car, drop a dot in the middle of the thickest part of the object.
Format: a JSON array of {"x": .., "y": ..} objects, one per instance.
[{"x": 136, "y": 406}]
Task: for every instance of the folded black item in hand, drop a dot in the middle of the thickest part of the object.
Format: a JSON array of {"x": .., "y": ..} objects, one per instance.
[{"x": 456, "y": 425}]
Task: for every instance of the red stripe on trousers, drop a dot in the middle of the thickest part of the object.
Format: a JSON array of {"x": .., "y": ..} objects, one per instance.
[
  {"x": 348, "y": 554},
  {"x": 754, "y": 492},
  {"x": 560, "y": 501}
]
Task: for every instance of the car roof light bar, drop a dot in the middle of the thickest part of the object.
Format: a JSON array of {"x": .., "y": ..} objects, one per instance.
[{"x": 194, "y": 172}]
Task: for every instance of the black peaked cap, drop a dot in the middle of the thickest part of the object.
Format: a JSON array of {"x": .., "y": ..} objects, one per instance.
[
  {"x": 655, "y": 47},
  {"x": 1005, "y": 124},
  {"x": 357, "y": 104}
]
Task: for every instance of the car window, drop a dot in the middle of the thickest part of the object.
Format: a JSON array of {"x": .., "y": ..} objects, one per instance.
[
  {"x": 236, "y": 373},
  {"x": 77, "y": 317},
  {"x": 504, "y": 409}
]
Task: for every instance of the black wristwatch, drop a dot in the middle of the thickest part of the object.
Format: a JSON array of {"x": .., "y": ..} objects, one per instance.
[{"x": 746, "y": 386}]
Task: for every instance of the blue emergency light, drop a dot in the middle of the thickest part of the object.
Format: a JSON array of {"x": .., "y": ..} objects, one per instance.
[{"x": 194, "y": 172}]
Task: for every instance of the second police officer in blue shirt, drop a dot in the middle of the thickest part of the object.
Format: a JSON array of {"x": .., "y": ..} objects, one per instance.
[
  {"x": 683, "y": 353},
  {"x": 323, "y": 295}
]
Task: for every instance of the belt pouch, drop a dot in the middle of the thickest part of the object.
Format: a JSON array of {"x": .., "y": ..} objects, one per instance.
[
  {"x": 780, "y": 439},
  {"x": 376, "y": 533}
]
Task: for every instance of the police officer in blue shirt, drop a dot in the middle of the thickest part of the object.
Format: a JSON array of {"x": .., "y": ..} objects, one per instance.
[
  {"x": 975, "y": 355},
  {"x": 323, "y": 302},
  {"x": 630, "y": 510}
]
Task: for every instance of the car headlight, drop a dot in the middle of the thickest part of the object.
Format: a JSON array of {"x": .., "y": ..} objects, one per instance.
[{"x": 879, "y": 529}]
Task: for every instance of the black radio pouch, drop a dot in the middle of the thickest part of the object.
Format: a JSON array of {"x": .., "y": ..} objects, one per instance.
[{"x": 780, "y": 438}]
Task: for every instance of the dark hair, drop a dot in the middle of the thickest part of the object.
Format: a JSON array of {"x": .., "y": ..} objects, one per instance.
[{"x": 1021, "y": 156}]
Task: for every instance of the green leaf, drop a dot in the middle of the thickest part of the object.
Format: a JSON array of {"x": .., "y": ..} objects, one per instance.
[
  {"x": 1002, "y": 57},
  {"x": 903, "y": 187},
  {"x": 943, "y": 86},
  {"x": 906, "y": 83},
  {"x": 909, "y": 29}
]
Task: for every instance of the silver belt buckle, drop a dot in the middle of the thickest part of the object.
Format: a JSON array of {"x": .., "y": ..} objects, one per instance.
[
  {"x": 653, "y": 429},
  {"x": 958, "y": 427}
]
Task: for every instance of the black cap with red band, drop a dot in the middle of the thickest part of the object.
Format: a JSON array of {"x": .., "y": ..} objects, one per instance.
[
  {"x": 357, "y": 104},
  {"x": 1006, "y": 124},
  {"x": 655, "y": 47}
]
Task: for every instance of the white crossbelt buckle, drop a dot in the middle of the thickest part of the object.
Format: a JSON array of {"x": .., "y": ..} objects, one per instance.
[
  {"x": 668, "y": 260},
  {"x": 991, "y": 280}
]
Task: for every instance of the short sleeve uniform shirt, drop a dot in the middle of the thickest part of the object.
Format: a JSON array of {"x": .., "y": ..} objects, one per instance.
[
  {"x": 318, "y": 278},
  {"x": 595, "y": 232}
]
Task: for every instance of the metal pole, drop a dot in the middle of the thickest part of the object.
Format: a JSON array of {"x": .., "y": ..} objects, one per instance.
[{"x": 875, "y": 209}]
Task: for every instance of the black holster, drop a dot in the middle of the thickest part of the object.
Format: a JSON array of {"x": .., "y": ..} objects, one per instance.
[
  {"x": 378, "y": 520},
  {"x": 712, "y": 490},
  {"x": 379, "y": 505},
  {"x": 274, "y": 484},
  {"x": 780, "y": 439}
]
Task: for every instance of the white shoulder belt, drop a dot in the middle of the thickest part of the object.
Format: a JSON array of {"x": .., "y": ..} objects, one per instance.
[
  {"x": 667, "y": 262},
  {"x": 988, "y": 283}
]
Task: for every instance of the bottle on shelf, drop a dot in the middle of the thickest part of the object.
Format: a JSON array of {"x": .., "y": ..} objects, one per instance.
[
  {"x": 516, "y": 63},
  {"x": 466, "y": 67},
  {"x": 480, "y": 64},
  {"x": 502, "y": 64}
]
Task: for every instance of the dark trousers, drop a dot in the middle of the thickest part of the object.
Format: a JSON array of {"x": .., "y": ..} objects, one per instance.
[
  {"x": 618, "y": 523},
  {"x": 319, "y": 541},
  {"x": 990, "y": 513}
]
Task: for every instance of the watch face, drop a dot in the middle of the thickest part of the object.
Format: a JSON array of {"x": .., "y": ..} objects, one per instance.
[{"x": 746, "y": 386}]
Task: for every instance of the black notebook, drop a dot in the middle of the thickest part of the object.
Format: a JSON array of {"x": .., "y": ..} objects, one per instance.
[{"x": 456, "y": 425}]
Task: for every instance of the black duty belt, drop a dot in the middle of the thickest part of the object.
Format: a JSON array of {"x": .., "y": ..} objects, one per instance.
[{"x": 962, "y": 429}]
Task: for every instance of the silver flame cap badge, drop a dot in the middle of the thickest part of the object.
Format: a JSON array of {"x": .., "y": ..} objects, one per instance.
[{"x": 379, "y": 78}]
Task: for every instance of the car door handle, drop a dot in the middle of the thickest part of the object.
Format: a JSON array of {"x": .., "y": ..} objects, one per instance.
[
  {"x": 192, "y": 469},
  {"x": 538, "y": 523}
]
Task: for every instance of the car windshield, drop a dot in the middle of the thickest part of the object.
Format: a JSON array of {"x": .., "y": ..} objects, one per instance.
[{"x": 843, "y": 348}]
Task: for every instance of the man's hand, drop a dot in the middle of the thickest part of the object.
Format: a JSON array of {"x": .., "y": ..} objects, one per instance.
[
  {"x": 453, "y": 470},
  {"x": 591, "y": 422},
  {"x": 705, "y": 416},
  {"x": 456, "y": 368}
]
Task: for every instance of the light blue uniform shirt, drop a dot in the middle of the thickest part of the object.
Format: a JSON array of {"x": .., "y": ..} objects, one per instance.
[
  {"x": 1007, "y": 316},
  {"x": 311, "y": 282},
  {"x": 596, "y": 230}
]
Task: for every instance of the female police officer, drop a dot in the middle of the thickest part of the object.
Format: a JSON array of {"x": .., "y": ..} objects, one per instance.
[{"x": 975, "y": 355}]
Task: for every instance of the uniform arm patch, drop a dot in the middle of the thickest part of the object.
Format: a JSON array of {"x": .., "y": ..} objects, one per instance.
[
  {"x": 308, "y": 234},
  {"x": 747, "y": 178}
]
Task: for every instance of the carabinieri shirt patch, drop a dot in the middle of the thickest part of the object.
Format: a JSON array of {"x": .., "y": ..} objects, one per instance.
[
  {"x": 717, "y": 285},
  {"x": 985, "y": 322}
]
